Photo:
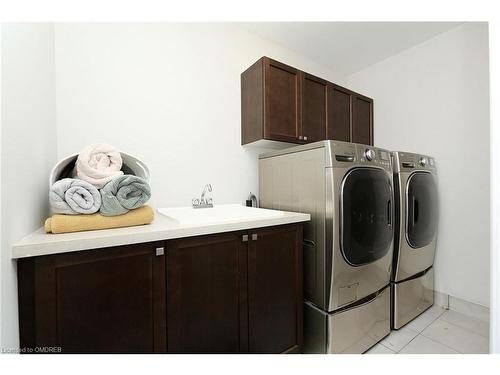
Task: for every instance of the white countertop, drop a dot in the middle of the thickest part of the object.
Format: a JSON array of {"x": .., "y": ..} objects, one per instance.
[{"x": 190, "y": 222}]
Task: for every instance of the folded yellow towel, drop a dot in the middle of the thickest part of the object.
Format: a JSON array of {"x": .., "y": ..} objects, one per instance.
[{"x": 78, "y": 223}]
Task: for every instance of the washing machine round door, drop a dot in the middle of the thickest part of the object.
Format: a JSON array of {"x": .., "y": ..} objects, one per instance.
[
  {"x": 366, "y": 215},
  {"x": 421, "y": 209}
]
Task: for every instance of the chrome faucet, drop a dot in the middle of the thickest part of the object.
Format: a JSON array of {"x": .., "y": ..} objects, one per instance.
[
  {"x": 253, "y": 199},
  {"x": 203, "y": 202}
]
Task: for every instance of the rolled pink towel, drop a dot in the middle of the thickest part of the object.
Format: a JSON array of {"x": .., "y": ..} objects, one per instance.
[{"x": 98, "y": 164}]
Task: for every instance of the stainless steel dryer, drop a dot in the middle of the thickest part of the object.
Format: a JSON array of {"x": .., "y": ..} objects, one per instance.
[
  {"x": 347, "y": 190},
  {"x": 412, "y": 281}
]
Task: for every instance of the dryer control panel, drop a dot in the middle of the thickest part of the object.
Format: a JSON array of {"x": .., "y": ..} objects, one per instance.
[{"x": 407, "y": 161}]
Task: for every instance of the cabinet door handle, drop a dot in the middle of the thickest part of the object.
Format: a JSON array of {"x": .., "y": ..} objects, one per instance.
[
  {"x": 389, "y": 213},
  {"x": 254, "y": 237},
  {"x": 309, "y": 243},
  {"x": 305, "y": 138},
  {"x": 160, "y": 251},
  {"x": 244, "y": 238},
  {"x": 300, "y": 137}
]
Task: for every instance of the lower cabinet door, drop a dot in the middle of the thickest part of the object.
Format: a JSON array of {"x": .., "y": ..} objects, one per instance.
[
  {"x": 206, "y": 283},
  {"x": 96, "y": 301},
  {"x": 275, "y": 289}
]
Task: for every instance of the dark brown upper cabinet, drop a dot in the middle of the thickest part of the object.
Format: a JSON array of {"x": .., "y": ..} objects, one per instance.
[
  {"x": 270, "y": 105},
  {"x": 362, "y": 119},
  {"x": 313, "y": 100},
  {"x": 282, "y": 109},
  {"x": 339, "y": 113},
  {"x": 282, "y": 103}
]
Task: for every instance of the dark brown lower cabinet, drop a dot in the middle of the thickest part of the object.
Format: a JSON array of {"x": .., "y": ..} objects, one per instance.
[
  {"x": 233, "y": 292},
  {"x": 236, "y": 292},
  {"x": 206, "y": 276},
  {"x": 275, "y": 290},
  {"x": 97, "y": 301}
]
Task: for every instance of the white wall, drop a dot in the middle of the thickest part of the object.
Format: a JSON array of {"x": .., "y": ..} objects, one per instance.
[
  {"x": 168, "y": 94},
  {"x": 494, "y": 30},
  {"x": 28, "y": 148},
  {"x": 1, "y": 187},
  {"x": 434, "y": 99}
]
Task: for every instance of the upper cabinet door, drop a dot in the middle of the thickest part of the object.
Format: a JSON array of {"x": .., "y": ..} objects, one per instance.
[
  {"x": 362, "y": 119},
  {"x": 314, "y": 92},
  {"x": 282, "y": 107},
  {"x": 339, "y": 113}
]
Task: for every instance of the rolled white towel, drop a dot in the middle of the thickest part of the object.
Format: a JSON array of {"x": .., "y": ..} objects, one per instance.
[
  {"x": 98, "y": 164},
  {"x": 71, "y": 196}
]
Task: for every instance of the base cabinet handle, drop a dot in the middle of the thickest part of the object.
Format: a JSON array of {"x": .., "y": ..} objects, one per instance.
[
  {"x": 254, "y": 237},
  {"x": 160, "y": 251}
]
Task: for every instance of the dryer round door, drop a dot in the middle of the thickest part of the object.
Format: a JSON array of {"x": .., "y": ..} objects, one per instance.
[
  {"x": 366, "y": 216},
  {"x": 421, "y": 209}
]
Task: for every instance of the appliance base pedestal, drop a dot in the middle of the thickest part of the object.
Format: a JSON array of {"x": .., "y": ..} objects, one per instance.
[
  {"x": 350, "y": 330},
  {"x": 411, "y": 298}
]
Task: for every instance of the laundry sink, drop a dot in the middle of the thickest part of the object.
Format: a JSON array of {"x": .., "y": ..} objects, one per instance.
[{"x": 218, "y": 214}]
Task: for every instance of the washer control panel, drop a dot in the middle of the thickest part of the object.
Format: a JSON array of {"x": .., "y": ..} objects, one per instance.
[
  {"x": 409, "y": 161},
  {"x": 374, "y": 156},
  {"x": 344, "y": 153}
]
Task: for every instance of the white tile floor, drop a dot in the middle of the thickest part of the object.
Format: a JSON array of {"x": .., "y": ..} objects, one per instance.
[{"x": 438, "y": 331}]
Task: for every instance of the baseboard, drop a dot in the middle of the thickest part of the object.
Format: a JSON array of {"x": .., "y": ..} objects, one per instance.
[
  {"x": 442, "y": 299},
  {"x": 470, "y": 308},
  {"x": 462, "y": 306}
]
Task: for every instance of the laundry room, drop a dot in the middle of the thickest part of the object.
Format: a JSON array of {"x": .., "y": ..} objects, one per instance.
[{"x": 246, "y": 187}]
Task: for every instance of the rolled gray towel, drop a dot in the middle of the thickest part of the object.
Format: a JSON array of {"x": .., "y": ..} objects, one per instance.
[
  {"x": 124, "y": 193},
  {"x": 72, "y": 196}
]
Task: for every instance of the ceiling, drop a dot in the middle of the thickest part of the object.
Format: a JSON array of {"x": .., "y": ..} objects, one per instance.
[{"x": 348, "y": 47}]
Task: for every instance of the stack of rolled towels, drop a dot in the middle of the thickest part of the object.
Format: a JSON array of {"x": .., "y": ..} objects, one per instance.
[{"x": 98, "y": 195}]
